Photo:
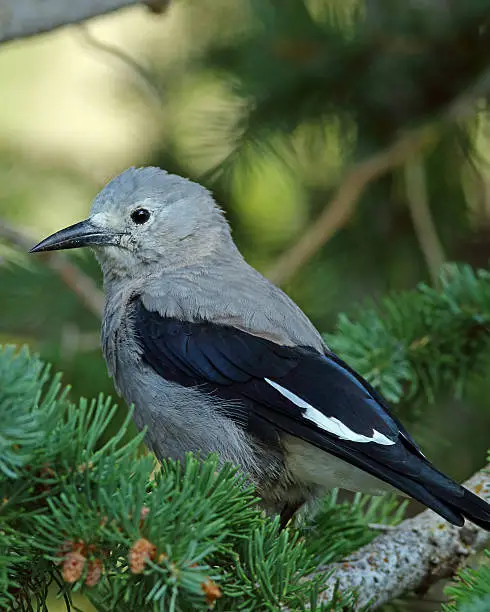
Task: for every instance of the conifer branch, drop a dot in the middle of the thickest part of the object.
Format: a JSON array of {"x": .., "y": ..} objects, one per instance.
[
  {"x": 81, "y": 284},
  {"x": 419, "y": 553},
  {"x": 471, "y": 589}
]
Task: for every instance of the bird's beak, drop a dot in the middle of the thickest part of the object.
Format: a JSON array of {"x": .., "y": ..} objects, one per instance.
[{"x": 82, "y": 234}]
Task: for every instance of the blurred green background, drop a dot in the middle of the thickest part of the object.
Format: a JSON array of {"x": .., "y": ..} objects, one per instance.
[{"x": 267, "y": 103}]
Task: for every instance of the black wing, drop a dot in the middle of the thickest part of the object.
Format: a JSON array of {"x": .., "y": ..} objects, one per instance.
[{"x": 297, "y": 390}]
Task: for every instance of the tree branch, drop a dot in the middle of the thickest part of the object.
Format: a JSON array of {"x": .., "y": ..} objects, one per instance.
[
  {"x": 342, "y": 205},
  {"x": 423, "y": 223},
  {"x": 356, "y": 180},
  {"x": 417, "y": 554},
  {"x": 144, "y": 74},
  {"x": 22, "y": 18},
  {"x": 81, "y": 284}
]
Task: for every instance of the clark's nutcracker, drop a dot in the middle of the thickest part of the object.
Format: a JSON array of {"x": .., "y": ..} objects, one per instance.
[{"x": 215, "y": 358}]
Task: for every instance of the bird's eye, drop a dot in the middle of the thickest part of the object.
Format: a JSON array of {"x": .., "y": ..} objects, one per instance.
[{"x": 140, "y": 216}]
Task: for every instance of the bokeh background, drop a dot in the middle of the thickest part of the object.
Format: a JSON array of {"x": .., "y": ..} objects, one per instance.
[{"x": 267, "y": 103}]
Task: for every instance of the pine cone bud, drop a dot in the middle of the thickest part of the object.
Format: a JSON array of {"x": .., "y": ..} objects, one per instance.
[
  {"x": 140, "y": 552},
  {"x": 211, "y": 590},
  {"x": 94, "y": 572},
  {"x": 73, "y": 565}
]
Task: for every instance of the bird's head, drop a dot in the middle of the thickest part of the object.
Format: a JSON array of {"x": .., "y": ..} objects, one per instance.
[{"x": 147, "y": 219}]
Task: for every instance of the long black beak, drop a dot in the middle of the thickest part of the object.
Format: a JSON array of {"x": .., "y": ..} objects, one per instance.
[{"x": 82, "y": 234}]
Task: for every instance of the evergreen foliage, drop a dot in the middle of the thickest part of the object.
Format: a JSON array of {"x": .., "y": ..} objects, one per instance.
[
  {"x": 471, "y": 591},
  {"x": 416, "y": 344},
  {"x": 97, "y": 516},
  {"x": 132, "y": 536}
]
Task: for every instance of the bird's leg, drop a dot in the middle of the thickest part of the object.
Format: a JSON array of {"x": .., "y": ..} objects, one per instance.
[{"x": 288, "y": 512}]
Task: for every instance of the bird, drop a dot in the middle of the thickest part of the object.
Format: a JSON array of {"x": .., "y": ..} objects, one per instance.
[{"x": 215, "y": 358}]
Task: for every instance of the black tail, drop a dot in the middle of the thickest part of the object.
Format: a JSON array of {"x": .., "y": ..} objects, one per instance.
[
  {"x": 426, "y": 484},
  {"x": 460, "y": 504},
  {"x": 450, "y": 500}
]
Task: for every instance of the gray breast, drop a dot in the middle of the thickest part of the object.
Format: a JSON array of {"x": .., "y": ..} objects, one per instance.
[{"x": 178, "y": 419}]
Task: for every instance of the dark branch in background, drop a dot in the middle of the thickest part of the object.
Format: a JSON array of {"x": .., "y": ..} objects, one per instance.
[
  {"x": 342, "y": 205},
  {"x": 144, "y": 74},
  {"x": 81, "y": 284},
  {"x": 417, "y": 554},
  {"x": 423, "y": 223},
  {"x": 356, "y": 180},
  {"x": 23, "y": 18}
]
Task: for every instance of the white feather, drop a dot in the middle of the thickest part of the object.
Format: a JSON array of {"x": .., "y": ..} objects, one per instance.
[{"x": 330, "y": 424}]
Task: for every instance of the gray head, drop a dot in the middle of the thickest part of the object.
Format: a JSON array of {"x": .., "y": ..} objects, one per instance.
[{"x": 147, "y": 219}]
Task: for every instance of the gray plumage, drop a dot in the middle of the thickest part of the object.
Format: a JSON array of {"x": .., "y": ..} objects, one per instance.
[
  {"x": 187, "y": 266},
  {"x": 215, "y": 358}
]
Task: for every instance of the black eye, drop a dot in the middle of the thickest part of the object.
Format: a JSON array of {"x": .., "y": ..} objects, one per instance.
[{"x": 140, "y": 216}]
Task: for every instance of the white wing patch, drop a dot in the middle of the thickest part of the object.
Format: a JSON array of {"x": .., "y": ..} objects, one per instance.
[{"x": 330, "y": 424}]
